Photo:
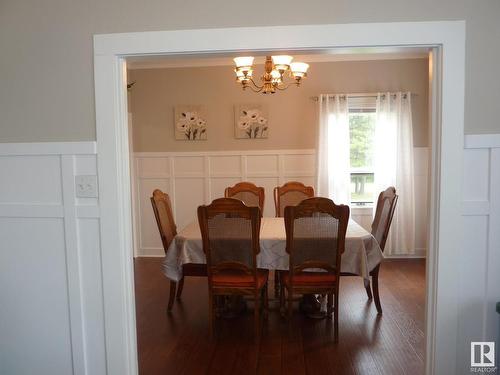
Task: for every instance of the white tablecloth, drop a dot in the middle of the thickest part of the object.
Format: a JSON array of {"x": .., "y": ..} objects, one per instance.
[{"x": 361, "y": 255}]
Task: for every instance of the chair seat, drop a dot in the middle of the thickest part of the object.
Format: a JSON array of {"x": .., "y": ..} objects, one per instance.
[
  {"x": 310, "y": 279},
  {"x": 232, "y": 279}
]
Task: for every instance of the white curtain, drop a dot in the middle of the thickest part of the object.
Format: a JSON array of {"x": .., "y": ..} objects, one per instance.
[
  {"x": 393, "y": 166},
  {"x": 333, "y": 156}
]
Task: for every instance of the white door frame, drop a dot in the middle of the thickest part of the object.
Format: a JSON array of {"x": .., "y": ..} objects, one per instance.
[{"x": 448, "y": 38}]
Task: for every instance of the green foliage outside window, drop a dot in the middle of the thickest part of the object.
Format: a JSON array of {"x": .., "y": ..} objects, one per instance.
[{"x": 362, "y": 133}]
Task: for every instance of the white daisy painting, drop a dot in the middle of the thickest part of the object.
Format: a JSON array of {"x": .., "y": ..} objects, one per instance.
[
  {"x": 190, "y": 123},
  {"x": 251, "y": 121}
]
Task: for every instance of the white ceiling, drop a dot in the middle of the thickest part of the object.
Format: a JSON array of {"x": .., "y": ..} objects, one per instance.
[{"x": 346, "y": 54}]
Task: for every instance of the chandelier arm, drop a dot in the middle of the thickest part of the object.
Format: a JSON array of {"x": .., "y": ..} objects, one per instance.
[
  {"x": 253, "y": 86},
  {"x": 257, "y": 89},
  {"x": 284, "y": 87}
]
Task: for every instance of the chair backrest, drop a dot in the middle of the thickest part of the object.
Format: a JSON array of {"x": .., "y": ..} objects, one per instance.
[
  {"x": 386, "y": 204},
  {"x": 315, "y": 235},
  {"x": 230, "y": 234},
  {"x": 162, "y": 209},
  {"x": 290, "y": 194},
  {"x": 248, "y": 193}
]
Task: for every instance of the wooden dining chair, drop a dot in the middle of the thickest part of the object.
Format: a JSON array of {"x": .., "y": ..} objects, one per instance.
[
  {"x": 247, "y": 192},
  {"x": 386, "y": 205},
  {"x": 162, "y": 209},
  {"x": 290, "y": 194},
  {"x": 315, "y": 240},
  {"x": 230, "y": 233}
]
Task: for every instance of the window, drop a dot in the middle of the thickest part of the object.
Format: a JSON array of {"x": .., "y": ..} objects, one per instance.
[{"x": 362, "y": 119}]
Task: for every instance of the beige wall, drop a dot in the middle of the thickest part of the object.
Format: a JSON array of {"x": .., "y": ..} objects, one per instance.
[
  {"x": 292, "y": 114},
  {"x": 46, "y": 69}
]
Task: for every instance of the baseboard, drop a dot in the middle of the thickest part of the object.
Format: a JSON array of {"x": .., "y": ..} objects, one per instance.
[
  {"x": 403, "y": 257},
  {"x": 150, "y": 253},
  {"x": 419, "y": 254}
]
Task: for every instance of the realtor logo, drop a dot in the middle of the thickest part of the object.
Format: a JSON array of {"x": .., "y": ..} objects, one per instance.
[{"x": 482, "y": 354}]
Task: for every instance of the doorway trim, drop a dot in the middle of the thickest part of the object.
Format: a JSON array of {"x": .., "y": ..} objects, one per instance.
[{"x": 447, "y": 38}]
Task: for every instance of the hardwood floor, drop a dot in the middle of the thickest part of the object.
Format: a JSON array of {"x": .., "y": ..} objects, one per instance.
[{"x": 178, "y": 343}]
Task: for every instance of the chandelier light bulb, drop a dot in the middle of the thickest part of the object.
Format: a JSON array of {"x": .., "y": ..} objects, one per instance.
[
  {"x": 299, "y": 69},
  {"x": 243, "y": 76},
  {"x": 282, "y": 62},
  {"x": 243, "y": 62},
  {"x": 276, "y": 76}
]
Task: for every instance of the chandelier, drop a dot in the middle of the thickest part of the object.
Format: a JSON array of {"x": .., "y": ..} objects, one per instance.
[{"x": 276, "y": 69}]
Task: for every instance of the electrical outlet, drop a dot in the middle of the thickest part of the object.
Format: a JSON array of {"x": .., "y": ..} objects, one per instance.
[{"x": 86, "y": 186}]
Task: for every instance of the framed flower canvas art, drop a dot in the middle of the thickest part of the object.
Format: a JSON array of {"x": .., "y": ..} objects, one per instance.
[
  {"x": 190, "y": 123},
  {"x": 251, "y": 121}
]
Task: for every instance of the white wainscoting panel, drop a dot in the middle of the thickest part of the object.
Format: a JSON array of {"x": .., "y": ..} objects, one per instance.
[
  {"x": 192, "y": 179},
  {"x": 478, "y": 279},
  {"x": 50, "y": 254},
  {"x": 34, "y": 295},
  {"x": 50, "y": 272},
  {"x": 24, "y": 170}
]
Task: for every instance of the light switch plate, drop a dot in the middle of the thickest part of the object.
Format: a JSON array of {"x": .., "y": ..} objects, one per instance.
[{"x": 86, "y": 186}]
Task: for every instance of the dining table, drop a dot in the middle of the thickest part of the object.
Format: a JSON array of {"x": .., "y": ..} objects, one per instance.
[{"x": 361, "y": 255}]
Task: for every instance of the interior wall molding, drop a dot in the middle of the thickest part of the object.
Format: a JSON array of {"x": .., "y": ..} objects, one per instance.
[
  {"x": 155, "y": 62},
  {"x": 224, "y": 153},
  {"x": 482, "y": 141},
  {"x": 447, "y": 40},
  {"x": 48, "y": 148}
]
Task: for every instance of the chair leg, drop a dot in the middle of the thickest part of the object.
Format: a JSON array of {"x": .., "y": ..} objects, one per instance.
[
  {"x": 282, "y": 301},
  {"x": 336, "y": 317},
  {"x": 277, "y": 283},
  {"x": 368, "y": 288},
  {"x": 375, "y": 289},
  {"x": 257, "y": 317},
  {"x": 179, "y": 290},
  {"x": 171, "y": 296},
  {"x": 211, "y": 326},
  {"x": 290, "y": 305}
]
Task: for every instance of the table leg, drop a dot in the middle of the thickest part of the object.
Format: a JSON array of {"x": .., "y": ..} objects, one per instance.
[{"x": 277, "y": 282}]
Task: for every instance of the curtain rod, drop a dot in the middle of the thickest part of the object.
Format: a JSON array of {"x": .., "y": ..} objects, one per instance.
[{"x": 357, "y": 95}]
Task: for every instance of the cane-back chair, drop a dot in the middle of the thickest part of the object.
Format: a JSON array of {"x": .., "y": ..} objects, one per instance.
[
  {"x": 315, "y": 240},
  {"x": 230, "y": 234},
  {"x": 162, "y": 209}
]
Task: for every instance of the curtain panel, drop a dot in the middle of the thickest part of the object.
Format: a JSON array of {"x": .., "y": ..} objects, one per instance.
[
  {"x": 392, "y": 159},
  {"x": 394, "y": 166},
  {"x": 333, "y": 155}
]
